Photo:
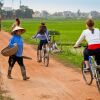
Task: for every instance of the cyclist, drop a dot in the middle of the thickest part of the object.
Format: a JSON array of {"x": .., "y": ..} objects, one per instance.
[
  {"x": 17, "y": 40},
  {"x": 92, "y": 36},
  {"x": 43, "y": 36}
]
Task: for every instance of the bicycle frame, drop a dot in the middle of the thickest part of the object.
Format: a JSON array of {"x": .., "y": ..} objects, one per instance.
[
  {"x": 44, "y": 49},
  {"x": 92, "y": 65},
  {"x": 43, "y": 55}
]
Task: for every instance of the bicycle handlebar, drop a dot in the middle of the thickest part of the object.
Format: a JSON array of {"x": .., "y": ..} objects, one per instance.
[{"x": 80, "y": 46}]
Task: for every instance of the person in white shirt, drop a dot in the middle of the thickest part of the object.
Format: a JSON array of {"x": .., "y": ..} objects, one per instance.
[
  {"x": 92, "y": 36},
  {"x": 16, "y": 23},
  {"x": 43, "y": 36}
]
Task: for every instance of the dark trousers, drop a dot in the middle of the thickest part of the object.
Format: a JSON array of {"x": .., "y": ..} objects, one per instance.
[
  {"x": 95, "y": 53},
  {"x": 13, "y": 59},
  {"x": 42, "y": 42}
]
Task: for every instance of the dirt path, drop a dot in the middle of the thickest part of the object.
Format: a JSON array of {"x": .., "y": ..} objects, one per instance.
[{"x": 55, "y": 82}]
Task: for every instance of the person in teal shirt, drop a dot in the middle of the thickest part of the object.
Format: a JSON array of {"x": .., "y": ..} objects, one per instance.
[{"x": 17, "y": 57}]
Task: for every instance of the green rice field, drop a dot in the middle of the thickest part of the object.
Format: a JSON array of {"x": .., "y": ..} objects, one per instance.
[{"x": 69, "y": 30}]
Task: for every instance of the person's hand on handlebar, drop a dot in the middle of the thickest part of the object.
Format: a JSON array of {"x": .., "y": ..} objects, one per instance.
[
  {"x": 77, "y": 46},
  {"x": 33, "y": 37}
]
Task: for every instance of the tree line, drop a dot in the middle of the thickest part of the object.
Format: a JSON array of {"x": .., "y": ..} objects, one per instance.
[{"x": 22, "y": 12}]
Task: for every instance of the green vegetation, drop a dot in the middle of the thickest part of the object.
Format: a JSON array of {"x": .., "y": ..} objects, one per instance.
[
  {"x": 69, "y": 31},
  {"x": 3, "y": 92},
  {"x": 4, "y": 97}
]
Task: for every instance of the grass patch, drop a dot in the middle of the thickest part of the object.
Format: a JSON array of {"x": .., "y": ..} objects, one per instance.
[
  {"x": 4, "y": 97},
  {"x": 3, "y": 92},
  {"x": 70, "y": 55},
  {"x": 69, "y": 30}
]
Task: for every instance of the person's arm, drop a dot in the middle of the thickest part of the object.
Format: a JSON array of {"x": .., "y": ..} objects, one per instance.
[
  {"x": 47, "y": 35},
  {"x": 79, "y": 41},
  {"x": 35, "y": 36},
  {"x": 13, "y": 26}
]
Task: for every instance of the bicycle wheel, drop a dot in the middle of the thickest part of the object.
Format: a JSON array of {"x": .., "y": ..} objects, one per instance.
[
  {"x": 87, "y": 76},
  {"x": 98, "y": 79},
  {"x": 46, "y": 59}
]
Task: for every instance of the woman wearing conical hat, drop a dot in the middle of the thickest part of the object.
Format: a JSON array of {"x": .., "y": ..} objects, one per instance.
[{"x": 17, "y": 40}]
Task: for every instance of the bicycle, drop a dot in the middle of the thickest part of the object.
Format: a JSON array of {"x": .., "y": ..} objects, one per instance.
[
  {"x": 92, "y": 73},
  {"x": 43, "y": 55}
]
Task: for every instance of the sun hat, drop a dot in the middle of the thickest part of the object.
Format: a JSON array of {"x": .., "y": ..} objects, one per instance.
[
  {"x": 18, "y": 28},
  {"x": 7, "y": 51}
]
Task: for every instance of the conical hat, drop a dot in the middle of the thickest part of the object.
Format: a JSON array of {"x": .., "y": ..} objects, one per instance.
[{"x": 18, "y": 28}]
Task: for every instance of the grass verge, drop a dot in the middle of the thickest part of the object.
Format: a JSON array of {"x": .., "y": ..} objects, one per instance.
[{"x": 3, "y": 92}]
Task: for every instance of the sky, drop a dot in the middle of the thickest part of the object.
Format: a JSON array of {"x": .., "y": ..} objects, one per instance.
[{"x": 56, "y": 5}]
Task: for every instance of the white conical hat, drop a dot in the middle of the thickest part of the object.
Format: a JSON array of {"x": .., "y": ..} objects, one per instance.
[{"x": 18, "y": 28}]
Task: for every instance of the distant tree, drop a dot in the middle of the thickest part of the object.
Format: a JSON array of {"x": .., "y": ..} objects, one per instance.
[
  {"x": 78, "y": 13},
  {"x": 1, "y": 5},
  {"x": 19, "y": 13},
  {"x": 55, "y": 14},
  {"x": 28, "y": 13},
  {"x": 23, "y": 8},
  {"x": 36, "y": 14},
  {"x": 7, "y": 14},
  {"x": 44, "y": 14},
  {"x": 24, "y": 12},
  {"x": 95, "y": 14},
  {"x": 67, "y": 14}
]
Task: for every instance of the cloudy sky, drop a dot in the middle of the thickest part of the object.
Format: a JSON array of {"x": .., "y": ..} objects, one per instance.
[{"x": 56, "y": 5}]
